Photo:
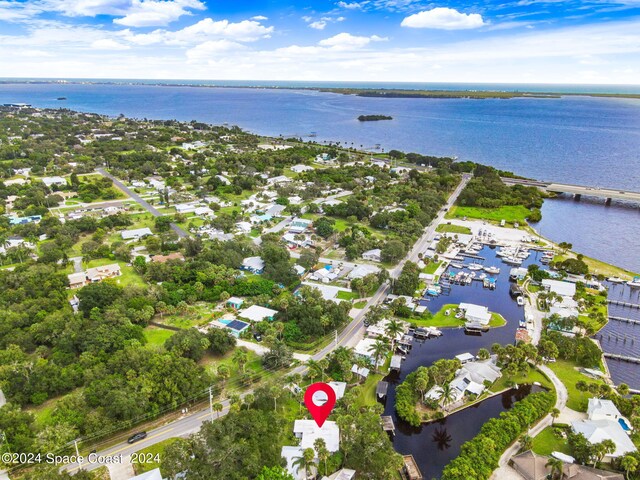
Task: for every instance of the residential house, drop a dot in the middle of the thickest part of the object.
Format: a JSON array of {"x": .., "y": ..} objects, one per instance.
[
  {"x": 97, "y": 274},
  {"x": 223, "y": 179},
  {"x": 362, "y": 372},
  {"x": 77, "y": 280},
  {"x": 470, "y": 379},
  {"x": 476, "y": 314},
  {"x": 136, "y": 234},
  {"x": 531, "y": 466},
  {"x": 601, "y": 409},
  {"x": 257, "y": 313},
  {"x": 166, "y": 258},
  {"x": 342, "y": 474},
  {"x": 362, "y": 271},
  {"x": 243, "y": 227},
  {"x": 301, "y": 168},
  {"x": 24, "y": 220},
  {"x": 279, "y": 180},
  {"x": 253, "y": 265},
  {"x": 291, "y": 239},
  {"x": 564, "y": 289},
  {"x": 595, "y": 431},
  {"x": 374, "y": 255},
  {"x": 186, "y": 207},
  {"x": 299, "y": 225},
  {"x": 49, "y": 181},
  {"x": 308, "y": 432},
  {"x": 363, "y": 350},
  {"x": 203, "y": 212},
  {"x": 275, "y": 210},
  {"x": 235, "y": 302}
]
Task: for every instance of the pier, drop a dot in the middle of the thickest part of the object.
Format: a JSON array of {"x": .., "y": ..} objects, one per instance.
[
  {"x": 410, "y": 470},
  {"x": 577, "y": 190},
  {"x": 624, "y": 358},
  {"x": 388, "y": 425},
  {"x": 626, "y": 320},
  {"x": 623, "y": 304}
]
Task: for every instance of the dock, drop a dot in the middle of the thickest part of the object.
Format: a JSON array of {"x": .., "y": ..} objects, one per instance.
[
  {"x": 624, "y": 358},
  {"x": 388, "y": 425},
  {"x": 626, "y": 320},
  {"x": 410, "y": 470},
  {"x": 381, "y": 389},
  {"x": 623, "y": 304},
  {"x": 396, "y": 363}
]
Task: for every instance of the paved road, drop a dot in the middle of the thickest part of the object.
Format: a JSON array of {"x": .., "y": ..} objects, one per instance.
[
  {"x": 77, "y": 264},
  {"x": 192, "y": 422},
  {"x": 146, "y": 205}
]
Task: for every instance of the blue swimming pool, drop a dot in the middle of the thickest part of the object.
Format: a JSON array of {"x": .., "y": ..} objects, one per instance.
[
  {"x": 225, "y": 321},
  {"x": 623, "y": 424}
]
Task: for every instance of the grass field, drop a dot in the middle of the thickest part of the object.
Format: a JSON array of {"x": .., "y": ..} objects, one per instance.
[
  {"x": 157, "y": 336},
  {"x": 440, "y": 320},
  {"x": 342, "y": 295},
  {"x": 509, "y": 213},
  {"x": 367, "y": 392},
  {"x": 531, "y": 377},
  {"x": 128, "y": 277},
  {"x": 360, "y": 304},
  {"x": 449, "y": 228},
  {"x": 431, "y": 267},
  {"x": 547, "y": 441},
  {"x": 567, "y": 373},
  {"x": 150, "y": 453}
]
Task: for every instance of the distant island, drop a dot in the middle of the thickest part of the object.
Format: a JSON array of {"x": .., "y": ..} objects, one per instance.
[{"x": 374, "y": 118}]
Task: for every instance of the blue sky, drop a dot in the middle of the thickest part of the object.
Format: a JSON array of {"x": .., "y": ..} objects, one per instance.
[{"x": 527, "y": 41}]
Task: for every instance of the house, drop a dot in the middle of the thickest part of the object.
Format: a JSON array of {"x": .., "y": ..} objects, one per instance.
[
  {"x": 374, "y": 255},
  {"x": 362, "y": 372},
  {"x": 275, "y": 210},
  {"x": 299, "y": 225},
  {"x": 342, "y": 474},
  {"x": 49, "y": 181},
  {"x": 325, "y": 159},
  {"x": 308, "y": 432},
  {"x": 291, "y": 455},
  {"x": 301, "y": 168},
  {"x": 600, "y": 409},
  {"x": 299, "y": 269},
  {"x": 258, "y": 219},
  {"x": 25, "y": 220},
  {"x": 476, "y": 314},
  {"x": 256, "y": 313},
  {"x": 465, "y": 357},
  {"x": 320, "y": 398},
  {"x": 223, "y": 179},
  {"x": 278, "y": 180},
  {"x": 531, "y": 466},
  {"x": 363, "y": 350},
  {"x": 324, "y": 274},
  {"x": 166, "y": 258},
  {"x": 362, "y": 271},
  {"x": 291, "y": 239},
  {"x": 518, "y": 273},
  {"x": 77, "y": 280},
  {"x": 595, "y": 431},
  {"x": 97, "y": 274},
  {"x": 295, "y": 200},
  {"x": 470, "y": 379},
  {"x": 235, "y": 302},
  {"x": 243, "y": 227},
  {"x": 186, "y": 207},
  {"x": 150, "y": 475},
  {"x": 564, "y": 289},
  {"x": 329, "y": 292},
  {"x": 236, "y": 327},
  {"x": 203, "y": 212},
  {"x": 136, "y": 234},
  {"x": 253, "y": 265}
]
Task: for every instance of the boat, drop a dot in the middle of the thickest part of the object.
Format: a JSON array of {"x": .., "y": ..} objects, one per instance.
[
  {"x": 61, "y": 98},
  {"x": 522, "y": 324},
  {"x": 492, "y": 270},
  {"x": 615, "y": 280},
  {"x": 475, "y": 266},
  {"x": 456, "y": 265},
  {"x": 433, "y": 291},
  {"x": 512, "y": 261},
  {"x": 481, "y": 277},
  {"x": 635, "y": 283},
  {"x": 520, "y": 301}
]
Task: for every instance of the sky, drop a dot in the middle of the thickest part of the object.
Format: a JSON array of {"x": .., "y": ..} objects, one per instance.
[{"x": 511, "y": 41}]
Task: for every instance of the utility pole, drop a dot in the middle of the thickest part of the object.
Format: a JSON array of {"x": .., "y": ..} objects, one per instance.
[
  {"x": 336, "y": 337},
  {"x": 75, "y": 444},
  {"x": 211, "y": 403}
]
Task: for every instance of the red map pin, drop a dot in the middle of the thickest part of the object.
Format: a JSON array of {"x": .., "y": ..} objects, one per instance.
[{"x": 321, "y": 409}]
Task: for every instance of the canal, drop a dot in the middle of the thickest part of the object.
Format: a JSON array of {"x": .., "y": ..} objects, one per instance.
[{"x": 434, "y": 445}]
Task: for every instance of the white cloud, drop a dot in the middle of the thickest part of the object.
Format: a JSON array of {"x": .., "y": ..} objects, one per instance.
[
  {"x": 352, "y": 5},
  {"x": 444, "y": 19},
  {"x": 88, "y": 8},
  {"x": 150, "y": 13},
  {"x": 109, "y": 44},
  {"x": 260, "y": 18},
  {"x": 347, "y": 41},
  {"x": 307, "y": 18},
  {"x": 213, "y": 48},
  {"x": 319, "y": 25}
]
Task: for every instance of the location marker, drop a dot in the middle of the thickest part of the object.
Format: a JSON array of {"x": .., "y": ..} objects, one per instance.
[{"x": 321, "y": 409}]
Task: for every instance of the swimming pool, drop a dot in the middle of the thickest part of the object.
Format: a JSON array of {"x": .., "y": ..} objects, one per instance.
[{"x": 623, "y": 424}]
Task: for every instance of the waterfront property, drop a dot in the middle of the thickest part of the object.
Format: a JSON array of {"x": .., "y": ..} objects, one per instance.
[
  {"x": 257, "y": 313},
  {"x": 532, "y": 466}
]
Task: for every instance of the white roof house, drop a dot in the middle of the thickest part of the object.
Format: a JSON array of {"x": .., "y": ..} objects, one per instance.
[
  {"x": 362, "y": 271},
  {"x": 277, "y": 180},
  {"x": 361, "y": 371},
  {"x": 253, "y": 264},
  {"x": 308, "y": 431},
  {"x": 301, "y": 168},
  {"x": 600, "y": 409},
  {"x": 595, "y": 431},
  {"x": 329, "y": 292},
  {"x": 48, "y": 181},
  {"x": 363, "y": 349},
  {"x": 203, "y": 211},
  {"x": 223, "y": 179},
  {"x": 275, "y": 210},
  {"x": 135, "y": 234},
  {"x": 244, "y": 227},
  {"x": 476, "y": 313},
  {"x": 299, "y": 225},
  {"x": 291, "y": 454},
  {"x": 465, "y": 357},
  {"x": 565, "y": 289},
  {"x": 320, "y": 398},
  {"x": 257, "y": 313},
  {"x": 186, "y": 207},
  {"x": 374, "y": 255},
  {"x": 469, "y": 379}
]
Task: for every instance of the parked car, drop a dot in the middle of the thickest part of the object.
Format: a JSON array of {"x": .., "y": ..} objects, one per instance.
[
  {"x": 257, "y": 336},
  {"x": 137, "y": 437}
]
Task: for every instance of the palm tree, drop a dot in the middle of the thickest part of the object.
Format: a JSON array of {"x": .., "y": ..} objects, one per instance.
[
  {"x": 623, "y": 389},
  {"x": 392, "y": 330},
  {"x": 555, "y": 413},
  {"x": 240, "y": 358},
  {"x": 526, "y": 443},
  {"x": 447, "y": 395},
  {"x": 483, "y": 354},
  {"x": 217, "y": 407},
  {"x": 314, "y": 369},
  {"x": 305, "y": 461},
  {"x": 323, "y": 453},
  {"x": 378, "y": 349},
  {"x": 629, "y": 464},
  {"x": 556, "y": 467}
]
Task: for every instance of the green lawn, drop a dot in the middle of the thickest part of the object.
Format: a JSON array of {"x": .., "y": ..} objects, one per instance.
[
  {"x": 440, "y": 320},
  {"x": 128, "y": 277},
  {"x": 342, "y": 295},
  {"x": 567, "y": 373},
  {"x": 531, "y": 377},
  {"x": 367, "y": 391},
  {"x": 510, "y": 213},
  {"x": 547, "y": 441},
  {"x": 150, "y": 453},
  {"x": 360, "y": 304},
  {"x": 449, "y": 228},
  {"x": 212, "y": 362},
  {"x": 431, "y": 267},
  {"x": 157, "y": 336}
]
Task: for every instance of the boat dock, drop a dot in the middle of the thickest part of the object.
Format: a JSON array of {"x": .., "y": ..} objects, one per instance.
[
  {"x": 396, "y": 363},
  {"x": 626, "y": 320},
  {"x": 623, "y": 304},
  {"x": 624, "y": 358},
  {"x": 388, "y": 425},
  {"x": 381, "y": 389},
  {"x": 410, "y": 470}
]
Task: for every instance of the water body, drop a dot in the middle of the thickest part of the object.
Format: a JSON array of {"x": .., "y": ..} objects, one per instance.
[
  {"x": 420, "y": 441},
  {"x": 583, "y": 140},
  {"x": 622, "y": 338}
]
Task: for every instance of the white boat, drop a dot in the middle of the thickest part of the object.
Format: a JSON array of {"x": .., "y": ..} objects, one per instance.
[
  {"x": 512, "y": 261},
  {"x": 475, "y": 266},
  {"x": 635, "y": 283},
  {"x": 492, "y": 270},
  {"x": 615, "y": 280},
  {"x": 520, "y": 300}
]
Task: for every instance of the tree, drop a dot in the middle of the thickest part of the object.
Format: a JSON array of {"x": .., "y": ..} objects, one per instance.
[
  {"x": 98, "y": 295},
  {"x": 623, "y": 389},
  {"x": 409, "y": 280},
  {"x": 305, "y": 462},
  {"x": 274, "y": 473},
  {"x": 378, "y": 350},
  {"x": 163, "y": 223},
  {"x": 393, "y": 251},
  {"x": 556, "y": 467},
  {"x": 526, "y": 443},
  {"x": 394, "y": 327},
  {"x": 221, "y": 341},
  {"x": 189, "y": 343},
  {"x": 483, "y": 354},
  {"x": 555, "y": 413},
  {"x": 447, "y": 395},
  {"x": 320, "y": 447},
  {"x": 278, "y": 356},
  {"x": 217, "y": 407},
  {"x": 629, "y": 464},
  {"x": 240, "y": 357}
]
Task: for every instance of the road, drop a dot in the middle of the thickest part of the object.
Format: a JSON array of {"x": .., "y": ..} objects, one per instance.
[
  {"x": 192, "y": 422},
  {"x": 141, "y": 201}
]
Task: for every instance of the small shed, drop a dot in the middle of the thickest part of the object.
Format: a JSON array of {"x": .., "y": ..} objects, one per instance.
[
  {"x": 235, "y": 302},
  {"x": 396, "y": 363},
  {"x": 381, "y": 389}
]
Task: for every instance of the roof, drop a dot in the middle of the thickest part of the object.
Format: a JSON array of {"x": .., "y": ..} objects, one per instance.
[
  {"x": 482, "y": 370},
  {"x": 476, "y": 313},
  {"x": 362, "y": 271},
  {"x": 166, "y": 258},
  {"x": 78, "y": 277},
  {"x": 595, "y": 431},
  {"x": 382, "y": 388},
  {"x": 136, "y": 233},
  {"x": 565, "y": 289},
  {"x": 320, "y": 398},
  {"x": 309, "y": 432},
  {"x": 235, "y": 300},
  {"x": 363, "y": 347},
  {"x": 599, "y": 406},
  {"x": 373, "y": 252},
  {"x": 396, "y": 361},
  {"x": 255, "y": 263},
  {"x": 150, "y": 475},
  {"x": 237, "y": 325},
  {"x": 344, "y": 474},
  {"x": 465, "y": 357},
  {"x": 291, "y": 454},
  {"x": 362, "y": 371},
  {"x": 256, "y": 313},
  {"x": 534, "y": 467}
]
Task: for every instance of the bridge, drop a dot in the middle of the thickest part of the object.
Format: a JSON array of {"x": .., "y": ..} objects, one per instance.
[{"x": 577, "y": 190}]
